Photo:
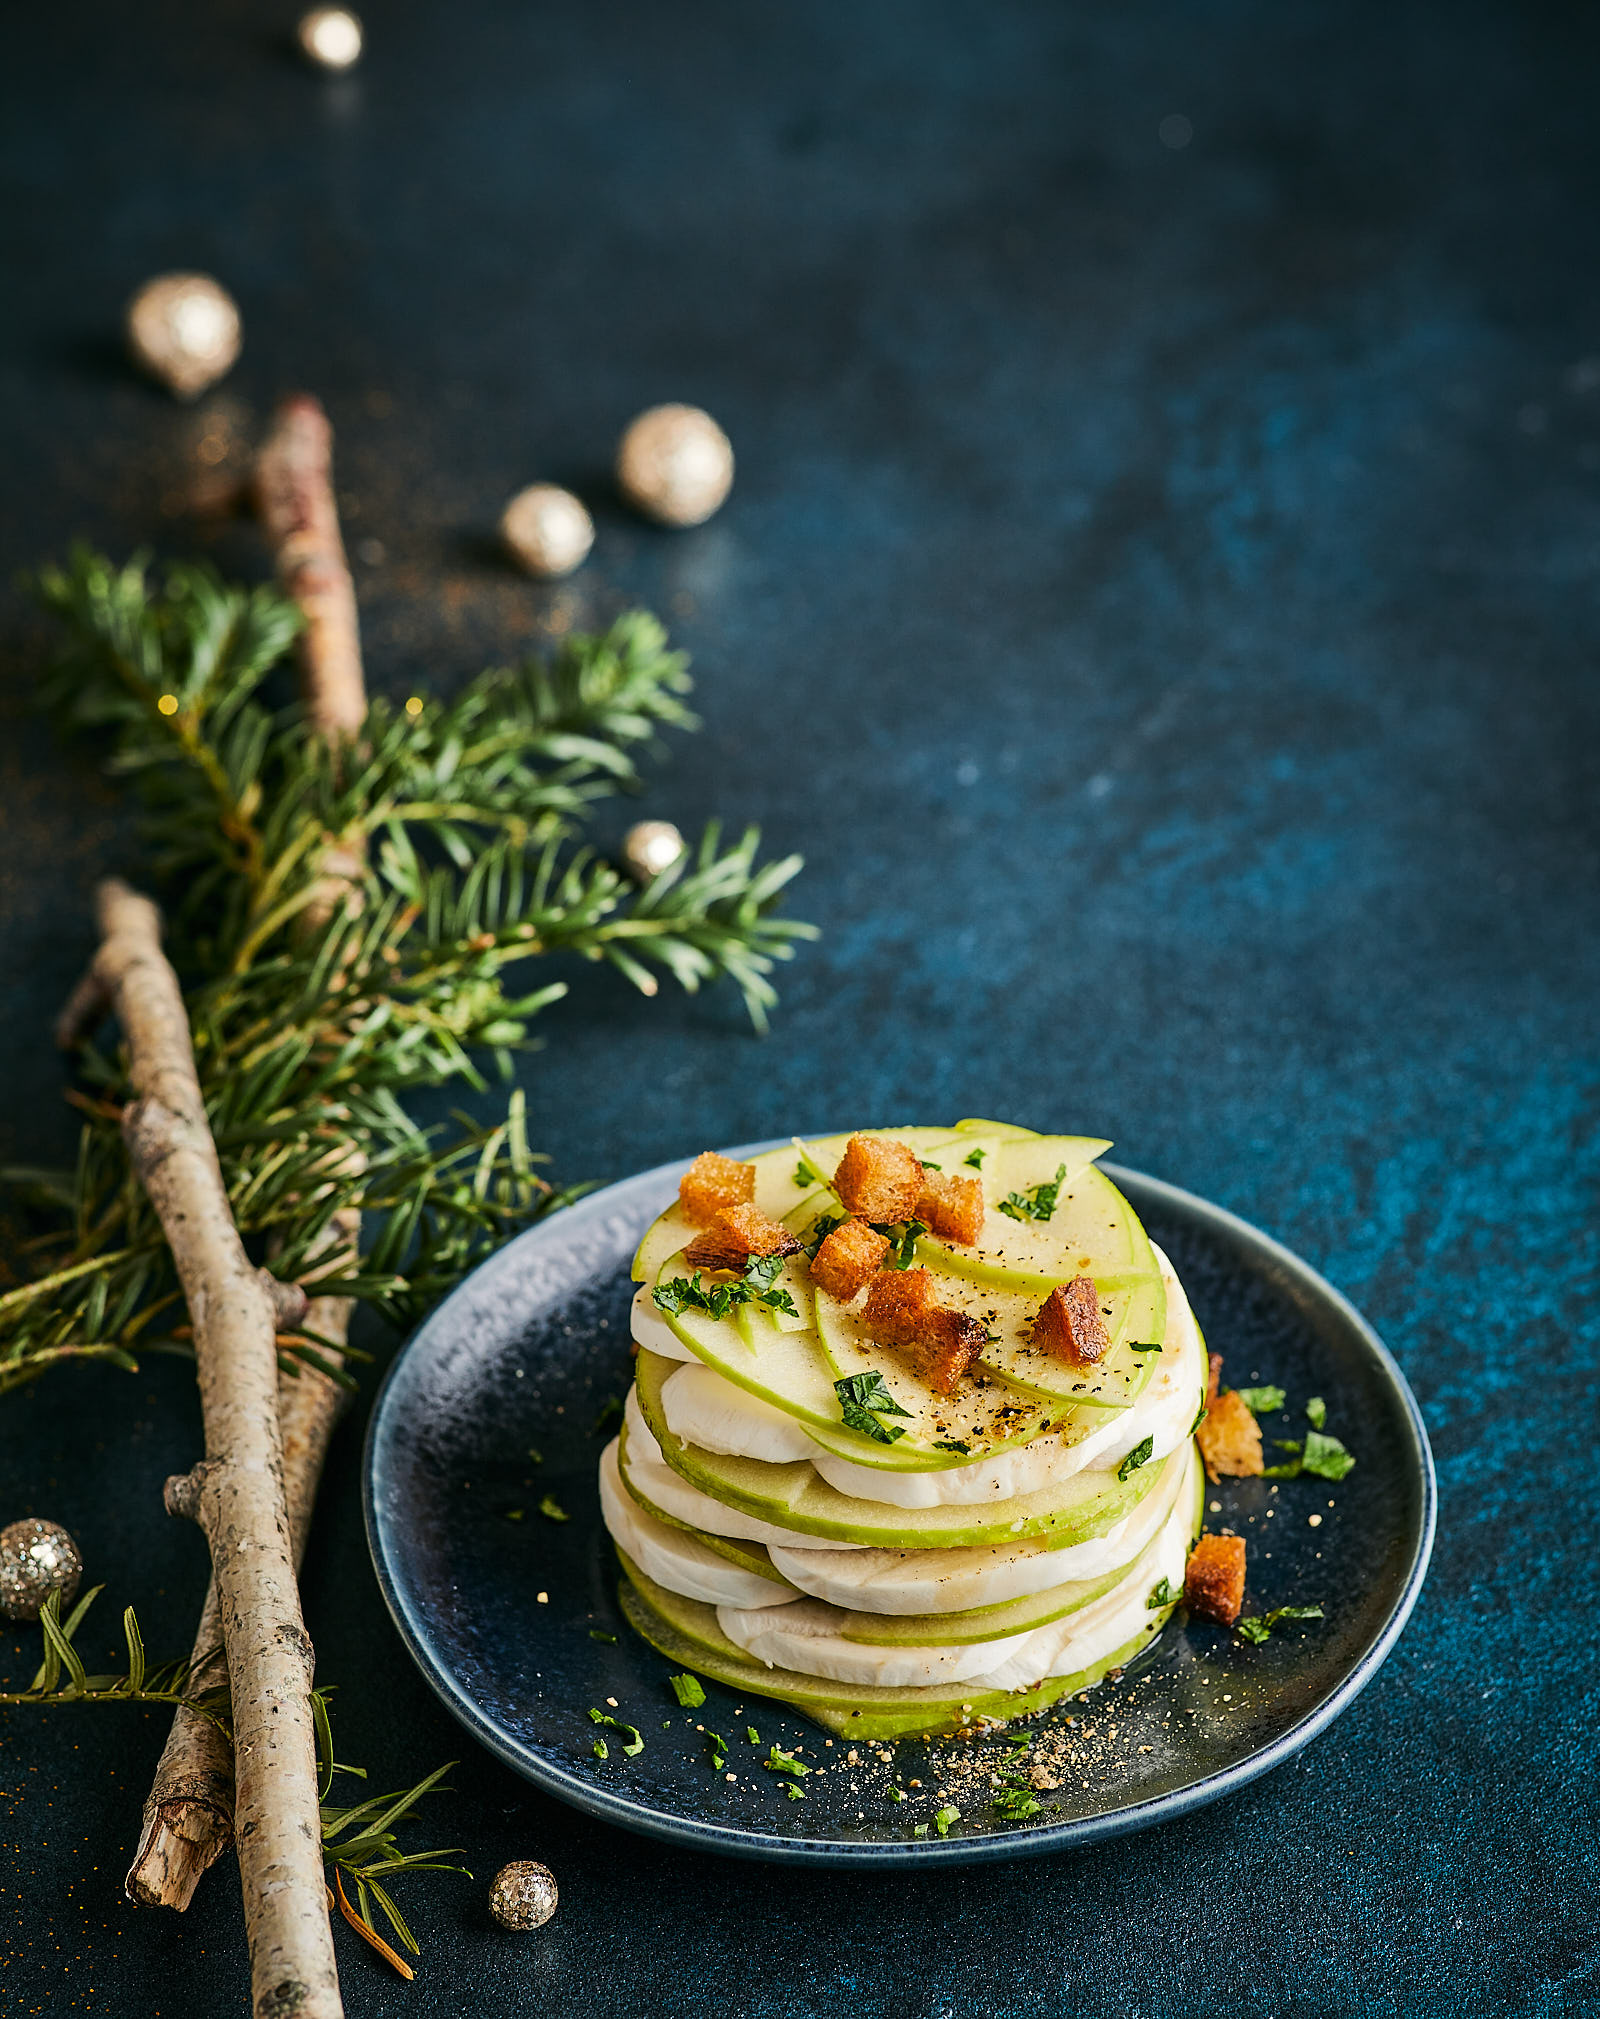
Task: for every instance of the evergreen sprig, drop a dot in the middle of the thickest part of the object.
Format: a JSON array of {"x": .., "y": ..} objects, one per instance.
[
  {"x": 358, "y": 1839},
  {"x": 351, "y": 921}
]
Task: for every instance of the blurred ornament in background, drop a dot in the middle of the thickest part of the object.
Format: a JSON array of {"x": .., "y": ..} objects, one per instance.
[
  {"x": 547, "y": 530},
  {"x": 675, "y": 465},
  {"x": 649, "y": 847},
  {"x": 184, "y": 330},
  {"x": 523, "y": 1895},
  {"x": 329, "y": 37},
  {"x": 36, "y": 1558}
]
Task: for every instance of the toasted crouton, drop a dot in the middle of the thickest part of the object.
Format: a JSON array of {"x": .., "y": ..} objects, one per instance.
[
  {"x": 736, "y": 1236},
  {"x": 1070, "y": 1324},
  {"x": 937, "y": 1344},
  {"x": 878, "y": 1180},
  {"x": 1213, "y": 1377},
  {"x": 1229, "y": 1438},
  {"x": 952, "y": 1208},
  {"x": 944, "y": 1351},
  {"x": 848, "y": 1259},
  {"x": 713, "y": 1183},
  {"x": 1213, "y": 1583}
]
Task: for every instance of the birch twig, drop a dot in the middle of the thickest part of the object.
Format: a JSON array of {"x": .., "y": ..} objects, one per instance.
[
  {"x": 188, "y": 1814},
  {"x": 236, "y": 1493}
]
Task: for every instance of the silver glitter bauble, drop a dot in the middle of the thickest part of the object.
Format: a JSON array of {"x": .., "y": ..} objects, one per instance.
[
  {"x": 649, "y": 847},
  {"x": 329, "y": 37},
  {"x": 184, "y": 330},
  {"x": 547, "y": 530},
  {"x": 36, "y": 1558},
  {"x": 523, "y": 1895},
  {"x": 675, "y": 465}
]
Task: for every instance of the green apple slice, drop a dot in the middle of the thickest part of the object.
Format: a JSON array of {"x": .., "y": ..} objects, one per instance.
[
  {"x": 797, "y": 1498},
  {"x": 778, "y": 1192},
  {"x": 687, "y": 1633},
  {"x": 1093, "y": 1231},
  {"x": 747, "y": 1555},
  {"x": 787, "y": 1369}
]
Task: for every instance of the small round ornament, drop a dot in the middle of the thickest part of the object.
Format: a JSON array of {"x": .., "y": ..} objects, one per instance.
[
  {"x": 183, "y": 329},
  {"x": 546, "y": 530},
  {"x": 329, "y": 37},
  {"x": 36, "y": 1558},
  {"x": 675, "y": 465},
  {"x": 523, "y": 1895},
  {"x": 649, "y": 847}
]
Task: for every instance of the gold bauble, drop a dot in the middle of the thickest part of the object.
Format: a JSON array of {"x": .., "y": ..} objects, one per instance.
[{"x": 675, "y": 465}]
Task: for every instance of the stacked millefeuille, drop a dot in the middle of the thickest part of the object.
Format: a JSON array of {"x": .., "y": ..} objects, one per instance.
[{"x": 910, "y": 1445}]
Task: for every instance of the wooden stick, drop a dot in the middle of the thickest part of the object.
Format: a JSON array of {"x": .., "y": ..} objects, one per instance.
[
  {"x": 236, "y": 1492},
  {"x": 188, "y": 1814}
]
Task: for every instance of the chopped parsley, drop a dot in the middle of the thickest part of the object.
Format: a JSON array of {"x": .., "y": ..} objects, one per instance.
[
  {"x": 944, "y": 1818},
  {"x": 536, "y": 1454},
  {"x": 1016, "y": 1805},
  {"x": 1258, "y": 1629},
  {"x": 1150, "y": 1346},
  {"x": 1261, "y": 1401},
  {"x": 1162, "y": 1594},
  {"x": 1316, "y": 1412},
  {"x": 755, "y": 1286},
  {"x": 610, "y": 1416},
  {"x": 552, "y": 1510},
  {"x": 1038, "y": 1202},
  {"x": 719, "y": 1751},
  {"x": 951, "y": 1444},
  {"x": 1199, "y": 1418},
  {"x": 897, "y": 1794},
  {"x": 795, "y": 1794},
  {"x": 752, "y": 1735},
  {"x": 514, "y": 1513},
  {"x": 919, "y": 1829},
  {"x": 600, "y": 1750},
  {"x": 863, "y": 1399},
  {"x": 929, "y": 1167},
  {"x": 1139, "y": 1455},
  {"x": 688, "y": 1691},
  {"x": 780, "y": 1762},
  {"x": 976, "y": 1159},
  {"x": 595, "y": 1633},
  {"x": 902, "y": 1237},
  {"x": 632, "y": 1738},
  {"x": 1323, "y": 1456}
]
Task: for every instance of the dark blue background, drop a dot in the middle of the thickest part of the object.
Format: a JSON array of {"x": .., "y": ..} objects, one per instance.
[{"x": 1159, "y": 597}]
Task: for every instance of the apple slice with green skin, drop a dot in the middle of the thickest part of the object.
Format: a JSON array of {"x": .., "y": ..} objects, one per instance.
[
  {"x": 796, "y": 1498},
  {"x": 687, "y": 1633},
  {"x": 972, "y": 1126},
  {"x": 1090, "y": 1231},
  {"x": 747, "y": 1555},
  {"x": 787, "y": 1369}
]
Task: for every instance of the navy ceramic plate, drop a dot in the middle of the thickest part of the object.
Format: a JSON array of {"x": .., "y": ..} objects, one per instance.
[{"x": 512, "y": 1614}]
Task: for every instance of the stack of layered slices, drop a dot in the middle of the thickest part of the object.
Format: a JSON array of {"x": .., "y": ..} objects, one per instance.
[{"x": 911, "y": 1440}]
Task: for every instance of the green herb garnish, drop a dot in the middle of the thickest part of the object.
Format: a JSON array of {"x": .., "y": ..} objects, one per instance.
[
  {"x": 514, "y": 1513},
  {"x": 944, "y": 1818},
  {"x": 755, "y": 1286},
  {"x": 780, "y": 1762},
  {"x": 1323, "y": 1456},
  {"x": 1260, "y": 1401},
  {"x": 1162, "y": 1594},
  {"x": 536, "y": 1454},
  {"x": 1257, "y": 1629},
  {"x": 600, "y": 1750},
  {"x": 687, "y": 1689},
  {"x": 552, "y": 1510},
  {"x": 1038, "y": 1202},
  {"x": 1150, "y": 1346},
  {"x": 929, "y": 1167},
  {"x": 1316, "y": 1412},
  {"x": 1139, "y": 1455},
  {"x": 975, "y": 1159},
  {"x": 632, "y": 1738},
  {"x": 1016, "y": 1805},
  {"x": 596, "y": 1633},
  {"x": 919, "y": 1829},
  {"x": 951, "y": 1444},
  {"x": 821, "y": 1228},
  {"x": 752, "y": 1735},
  {"x": 795, "y": 1794},
  {"x": 860, "y": 1395},
  {"x": 719, "y": 1751},
  {"x": 902, "y": 1238}
]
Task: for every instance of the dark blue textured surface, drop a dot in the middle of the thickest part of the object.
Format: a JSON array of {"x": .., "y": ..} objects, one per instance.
[
  {"x": 1160, "y": 598},
  {"x": 537, "y": 1336}
]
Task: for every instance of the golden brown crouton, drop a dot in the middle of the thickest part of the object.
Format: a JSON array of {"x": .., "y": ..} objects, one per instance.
[
  {"x": 937, "y": 1344},
  {"x": 952, "y": 1208},
  {"x": 712, "y": 1183},
  {"x": 1229, "y": 1438},
  {"x": 1213, "y": 1584},
  {"x": 1213, "y": 1377},
  {"x": 878, "y": 1180},
  {"x": 848, "y": 1259},
  {"x": 943, "y": 1352},
  {"x": 737, "y": 1235},
  {"x": 1070, "y": 1325}
]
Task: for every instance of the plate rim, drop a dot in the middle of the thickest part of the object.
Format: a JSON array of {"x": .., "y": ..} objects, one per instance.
[{"x": 729, "y": 1840}]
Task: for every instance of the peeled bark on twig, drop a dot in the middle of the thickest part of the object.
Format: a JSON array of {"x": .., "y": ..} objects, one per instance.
[
  {"x": 188, "y": 1814},
  {"x": 236, "y": 1493}
]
